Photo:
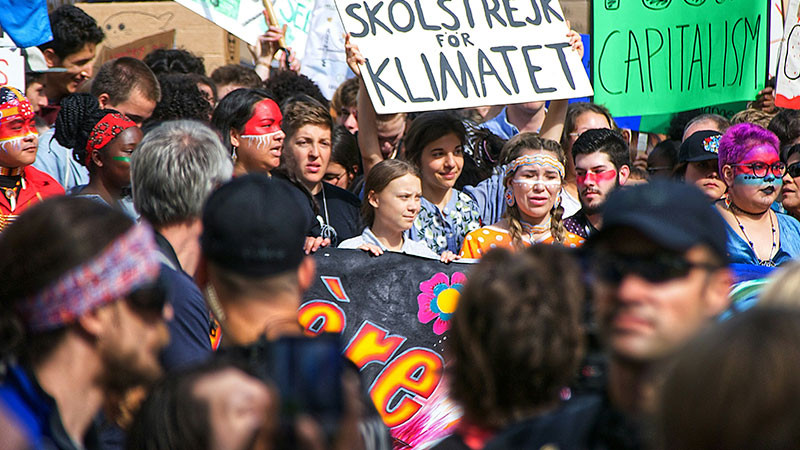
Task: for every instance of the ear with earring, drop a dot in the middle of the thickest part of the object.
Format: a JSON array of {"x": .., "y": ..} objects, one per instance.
[
  {"x": 509, "y": 196},
  {"x": 233, "y": 154}
]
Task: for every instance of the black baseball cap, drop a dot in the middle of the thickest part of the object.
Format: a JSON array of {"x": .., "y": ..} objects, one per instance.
[
  {"x": 254, "y": 226},
  {"x": 676, "y": 216},
  {"x": 701, "y": 146}
]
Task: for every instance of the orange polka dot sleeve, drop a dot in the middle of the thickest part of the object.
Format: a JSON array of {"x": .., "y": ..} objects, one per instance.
[{"x": 480, "y": 241}]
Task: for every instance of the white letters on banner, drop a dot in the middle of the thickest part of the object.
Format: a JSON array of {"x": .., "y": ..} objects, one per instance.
[{"x": 427, "y": 55}]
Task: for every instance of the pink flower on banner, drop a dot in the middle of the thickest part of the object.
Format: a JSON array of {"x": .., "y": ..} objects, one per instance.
[{"x": 438, "y": 299}]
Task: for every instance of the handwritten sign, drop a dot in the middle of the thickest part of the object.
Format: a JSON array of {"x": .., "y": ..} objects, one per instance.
[
  {"x": 393, "y": 312},
  {"x": 138, "y": 48},
  {"x": 242, "y": 18},
  {"x": 324, "y": 60},
  {"x": 661, "y": 56},
  {"x": 426, "y": 55},
  {"x": 787, "y": 91},
  {"x": 12, "y": 68}
]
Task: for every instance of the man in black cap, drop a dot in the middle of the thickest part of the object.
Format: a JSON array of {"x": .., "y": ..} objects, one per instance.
[
  {"x": 698, "y": 163},
  {"x": 252, "y": 242},
  {"x": 660, "y": 276}
]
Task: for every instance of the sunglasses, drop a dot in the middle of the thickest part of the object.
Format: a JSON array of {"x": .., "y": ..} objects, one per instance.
[
  {"x": 793, "y": 170},
  {"x": 654, "y": 269},
  {"x": 760, "y": 169}
]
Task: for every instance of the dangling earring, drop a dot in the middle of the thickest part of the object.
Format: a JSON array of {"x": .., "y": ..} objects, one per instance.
[
  {"x": 509, "y": 197},
  {"x": 233, "y": 154}
]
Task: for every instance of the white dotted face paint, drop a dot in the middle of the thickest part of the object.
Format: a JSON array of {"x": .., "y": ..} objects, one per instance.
[{"x": 529, "y": 184}]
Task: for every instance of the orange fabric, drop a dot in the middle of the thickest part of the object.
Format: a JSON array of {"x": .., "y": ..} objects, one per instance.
[{"x": 484, "y": 239}]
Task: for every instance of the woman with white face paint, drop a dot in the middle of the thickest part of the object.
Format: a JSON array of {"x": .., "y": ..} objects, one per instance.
[
  {"x": 533, "y": 215},
  {"x": 249, "y": 123},
  {"x": 21, "y": 184}
]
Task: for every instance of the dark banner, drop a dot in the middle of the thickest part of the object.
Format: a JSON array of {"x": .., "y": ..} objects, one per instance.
[{"x": 393, "y": 312}]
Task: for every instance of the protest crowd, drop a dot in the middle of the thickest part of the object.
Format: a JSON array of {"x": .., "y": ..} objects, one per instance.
[{"x": 229, "y": 259}]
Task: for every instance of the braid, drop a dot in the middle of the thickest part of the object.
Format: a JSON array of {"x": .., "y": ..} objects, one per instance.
[
  {"x": 557, "y": 224},
  {"x": 72, "y": 127},
  {"x": 514, "y": 220}
]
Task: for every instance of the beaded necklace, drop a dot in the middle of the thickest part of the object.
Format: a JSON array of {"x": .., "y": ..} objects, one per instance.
[{"x": 761, "y": 262}]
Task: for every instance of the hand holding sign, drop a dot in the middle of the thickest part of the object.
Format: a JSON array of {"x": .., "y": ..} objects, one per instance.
[
  {"x": 470, "y": 54},
  {"x": 354, "y": 57}
]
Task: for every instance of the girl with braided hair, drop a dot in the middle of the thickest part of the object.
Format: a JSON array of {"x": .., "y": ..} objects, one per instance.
[
  {"x": 533, "y": 180},
  {"x": 102, "y": 140}
]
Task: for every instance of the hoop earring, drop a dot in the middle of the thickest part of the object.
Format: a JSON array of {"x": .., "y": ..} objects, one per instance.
[{"x": 509, "y": 196}]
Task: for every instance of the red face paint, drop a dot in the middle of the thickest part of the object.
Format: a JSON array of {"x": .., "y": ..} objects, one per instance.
[
  {"x": 16, "y": 118},
  {"x": 266, "y": 119},
  {"x": 595, "y": 177}
]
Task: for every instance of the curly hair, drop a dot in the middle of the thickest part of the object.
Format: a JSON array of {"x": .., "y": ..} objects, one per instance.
[
  {"x": 286, "y": 84},
  {"x": 514, "y": 148},
  {"x": 164, "y": 61},
  {"x": 515, "y": 338},
  {"x": 180, "y": 99},
  {"x": 606, "y": 141},
  {"x": 72, "y": 29},
  {"x": 77, "y": 117},
  {"x": 739, "y": 139}
]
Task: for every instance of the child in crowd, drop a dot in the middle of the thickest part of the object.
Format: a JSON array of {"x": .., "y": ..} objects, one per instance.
[
  {"x": 533, "y": 215},
  {"x": 103, "y": 141},
  {"x": 392, "y": 194}
]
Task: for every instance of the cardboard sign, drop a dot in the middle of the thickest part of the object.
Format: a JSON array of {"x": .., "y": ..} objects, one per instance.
[
  {"x": 662, "y": 56},
  {"x": 12, "y": 68},
  {"x": 325, "y": 61},
  {"x": 393, "y": 312},
  {"x": 125, "y": 22},
  {"x": 138, "y": 48},
  {"x": 426, "y": 55},
  {"x": 787, "y": 91}
]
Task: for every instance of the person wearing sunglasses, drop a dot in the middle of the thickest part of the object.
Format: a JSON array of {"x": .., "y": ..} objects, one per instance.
[
  {"x": 790, "y": 194},
  {"x": 88, "y": 322},
  {"x": 750, "y": 166},
  {"x": 659, "y": 273}
]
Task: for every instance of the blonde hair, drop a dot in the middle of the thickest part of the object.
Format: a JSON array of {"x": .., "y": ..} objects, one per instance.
[
  {"x": 378, "y": 178},
  {"x": 514, "y": 148}
]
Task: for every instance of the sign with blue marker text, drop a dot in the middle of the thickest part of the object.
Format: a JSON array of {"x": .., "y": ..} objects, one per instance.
[
  {"x": 425, "y": 55},
  {"x": 664, "y": 56}
]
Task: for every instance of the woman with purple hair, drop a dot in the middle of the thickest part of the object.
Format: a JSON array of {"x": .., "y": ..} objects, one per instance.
[{"x": 750, "y": 165}]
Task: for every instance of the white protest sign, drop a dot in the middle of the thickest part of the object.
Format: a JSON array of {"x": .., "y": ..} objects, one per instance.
[
  {"x": 787, "y": 90},
  {"x": 242, "y": 18},
  {"x": 297, "y": 16},
  {"x": 325, "y": 61},
  {"x": 426, "y": 55},
  {"x": 12, "y": 68}
]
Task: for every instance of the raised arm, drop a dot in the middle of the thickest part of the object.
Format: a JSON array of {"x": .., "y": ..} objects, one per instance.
[{"x": 367, "y": 117}]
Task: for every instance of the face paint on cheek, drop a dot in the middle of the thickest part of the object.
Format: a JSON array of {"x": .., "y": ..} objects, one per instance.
[
  {"x": 596, "y": 177},
  {"x": 15, "y": 143},
  {"x": 752, "y": 180},
  {"x": 261, "y": 140},
  {"x": 126, "y": 159},
  {"x": 266, "y": 119}
]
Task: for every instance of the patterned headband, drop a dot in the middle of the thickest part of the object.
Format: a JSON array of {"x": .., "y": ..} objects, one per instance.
[
  {"x": 125, "y": 265},
  {"x": 539, "y": 159},
  {"x": 13, "y": 103},
  {"x": 109, "y": 127}
]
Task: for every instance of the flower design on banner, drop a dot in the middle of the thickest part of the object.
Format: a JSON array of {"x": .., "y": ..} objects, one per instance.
[{"x": 438, "y": 299}]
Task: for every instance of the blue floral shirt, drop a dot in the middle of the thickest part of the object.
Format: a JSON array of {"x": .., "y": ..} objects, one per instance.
[{"x": 446, "y": 229}]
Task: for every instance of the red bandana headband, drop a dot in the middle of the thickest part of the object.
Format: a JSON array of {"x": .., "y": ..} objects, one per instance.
[
  {"x": 109, "y": 127},
  {"x": 125, "y": 265}
]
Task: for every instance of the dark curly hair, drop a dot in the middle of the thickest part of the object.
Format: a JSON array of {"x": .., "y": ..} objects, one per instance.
[
  {"x": 72, "y": 29},
  {"x": 164, "y": 61},
  {"x": 180, "y": 99},
  {"x": 286, "y": 84},
  {"x": 79, "y": 113},
  {"x": 516, "y": 337},
  {"x": 606, "y": 141}
]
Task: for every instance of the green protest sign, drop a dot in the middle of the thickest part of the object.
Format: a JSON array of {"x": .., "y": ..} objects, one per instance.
[{"x": 662, "y": 56}]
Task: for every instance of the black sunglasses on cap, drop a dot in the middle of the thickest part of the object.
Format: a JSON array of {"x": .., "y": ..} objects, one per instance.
[{"x": 653, "y": 268}]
